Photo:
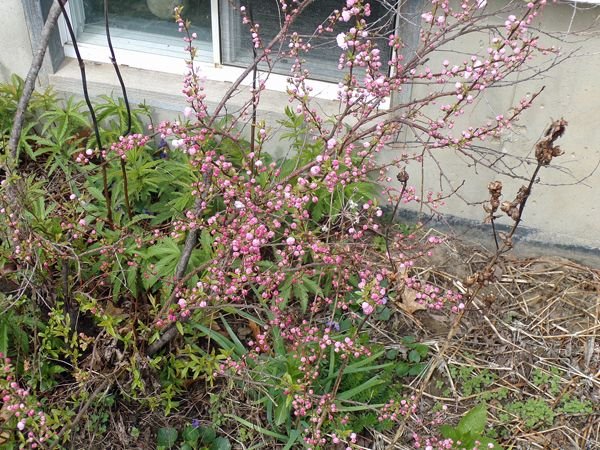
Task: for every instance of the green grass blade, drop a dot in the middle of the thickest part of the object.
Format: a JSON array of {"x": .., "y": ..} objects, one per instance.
[{"x": 250, "y": 425}]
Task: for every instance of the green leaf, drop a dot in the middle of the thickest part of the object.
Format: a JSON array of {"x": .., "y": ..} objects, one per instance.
[
  {"x": 312, "y": 286},
  {"x": 318, "y": 211},
  {"x": 166, "y": 437},
  {"x": 422, "y": 349},
  {"x": 414, "y": 356},
  {"x": 4, "y": 337},
  {"x": 402, "y": 369},
  {"x": 220, "y": 443},
  {"x": 355, "y": 408},
  {"x": 385, "y": 314},
  {"x": 474, "y": 421},
  {"x": 278, "y": 343},
  {"x": 355, "y": 366},
  {"x": 266, "y": 432},
  {"x": 369, "y": 384},
  {"x": 191, "y": 435},
  {"x": 294, "y": 435},
  {"x": 207, "y": 435},
  {"x": 241, "y": 350},
  {"x": 409, "y": 340},
  {"x": 450, "y": 432},
  {"x": 391, "y": 354},
  {"x": 282, "y": 412},
  {"x": 301, "y": 294},
  {"x": 244, "y": 314},
  {"x": 207, "y": 242},
  {"x": 416, "y": 369},
  {"x": 223, "y": 342}
]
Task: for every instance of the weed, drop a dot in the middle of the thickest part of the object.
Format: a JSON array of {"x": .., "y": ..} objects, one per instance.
[
  {"x": 533, "y": 412},
  {"x": 549, "y": 381},
  {"x": 471, "y": 381}
]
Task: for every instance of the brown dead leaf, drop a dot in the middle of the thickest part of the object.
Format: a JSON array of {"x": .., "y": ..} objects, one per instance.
[
  {"x": 408, "y": 297},
  {"x": 255, "y": 329},
  {"x": 409, "y": 301}
]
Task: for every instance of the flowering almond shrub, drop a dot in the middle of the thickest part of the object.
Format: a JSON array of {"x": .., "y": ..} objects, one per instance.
[{"x": 178, "y": 259}]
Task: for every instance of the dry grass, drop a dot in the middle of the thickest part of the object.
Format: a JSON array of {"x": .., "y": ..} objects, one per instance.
[{"x": 532, "y": 338}]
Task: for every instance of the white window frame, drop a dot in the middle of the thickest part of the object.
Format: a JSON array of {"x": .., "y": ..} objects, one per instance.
[{"x": 215, "y": 71}]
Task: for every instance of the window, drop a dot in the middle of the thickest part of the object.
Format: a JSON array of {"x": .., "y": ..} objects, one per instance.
[
  {"x": 145, "y": 36},
  {"x": 321, "y": 61},
  {"x": 143, "y": 26}
]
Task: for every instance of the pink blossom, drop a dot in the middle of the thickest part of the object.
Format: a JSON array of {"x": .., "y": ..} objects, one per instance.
[{"x": 341, "y": 41}]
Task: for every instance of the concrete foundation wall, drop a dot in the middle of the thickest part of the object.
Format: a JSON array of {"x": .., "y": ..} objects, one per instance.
[
  {"x": 15, "y": 45},
  {"x": 563, "y": 208}
]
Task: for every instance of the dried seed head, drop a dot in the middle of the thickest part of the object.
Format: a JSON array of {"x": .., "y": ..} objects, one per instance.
[
  {"x": 402, "y": 176},
  {"x": 495, "y": 190},
  {"x": 545, "y": 149}
]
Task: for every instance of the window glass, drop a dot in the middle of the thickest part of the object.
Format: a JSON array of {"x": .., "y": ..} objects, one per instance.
[
  {"x": 148, "y": 25},
  {"x": 322, "y": 60}
]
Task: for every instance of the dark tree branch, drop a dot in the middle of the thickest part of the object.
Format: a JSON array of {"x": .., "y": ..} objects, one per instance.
[
  {"x": 88, "y": 102},
  {"x": 113, "y": 59}
]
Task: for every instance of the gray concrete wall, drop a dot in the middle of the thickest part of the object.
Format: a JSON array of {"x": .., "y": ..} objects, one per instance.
[
  {"x": 15, "y": 46},
  {"x": 563, "y": 208}
]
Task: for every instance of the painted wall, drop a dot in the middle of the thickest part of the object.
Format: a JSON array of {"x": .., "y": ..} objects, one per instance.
[{"x": 15, "y": 46}]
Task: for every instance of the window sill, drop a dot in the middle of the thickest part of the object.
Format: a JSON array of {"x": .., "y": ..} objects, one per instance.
[{"x": 161, "y": 91}]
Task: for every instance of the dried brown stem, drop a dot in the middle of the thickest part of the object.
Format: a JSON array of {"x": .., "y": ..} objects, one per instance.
[{"x": 486, "y": 275}]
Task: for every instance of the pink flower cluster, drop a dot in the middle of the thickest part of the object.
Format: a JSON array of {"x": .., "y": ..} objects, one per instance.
[
  {"x": 397, "y": 410},
  {"x": 124, "y": 145},
  {"x": 19, "y": 410}
]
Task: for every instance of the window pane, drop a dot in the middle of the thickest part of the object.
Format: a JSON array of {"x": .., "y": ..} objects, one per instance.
[
  {"x": 322, "y": 60},
  {"x": 147, "y": 25}
]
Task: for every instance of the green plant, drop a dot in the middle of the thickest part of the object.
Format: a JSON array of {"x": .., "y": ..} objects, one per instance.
[
  {"x": 569, "y": 405},
  {"x": 192, "y": 437},
  {"x": 17, "y": 321},
  {"x": 550, "y": 380},
  {"x": 533, "y": 412},
  {"x": 40, "y": 103},
  {"x": 470, "y": 380},
  {"x": 414, "y": 364},
  {"x": 199, "y": 260},
  {"x": 470, "y": 431}
]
